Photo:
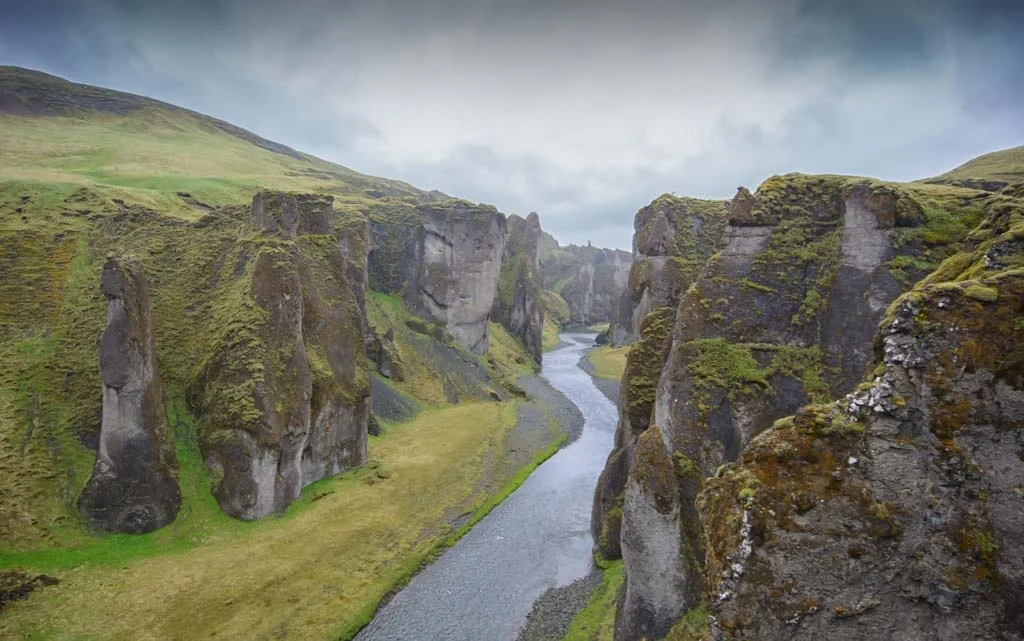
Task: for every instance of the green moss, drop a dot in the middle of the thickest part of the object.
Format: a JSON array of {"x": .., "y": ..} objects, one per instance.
[
  {"x": 644, "y": 364},
  {"x": 596, "y": 621},
  {"x": 746, "y": 282},
  {"x": 694, "y": 626},
  {"x": 982, "y": 293}
]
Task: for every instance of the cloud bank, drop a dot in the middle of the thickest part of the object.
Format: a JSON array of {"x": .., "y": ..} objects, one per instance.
[{"x": 581, "y": 110}]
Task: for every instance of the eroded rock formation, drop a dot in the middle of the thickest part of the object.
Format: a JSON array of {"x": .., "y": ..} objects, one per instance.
[
  {"x": 673, "y": 237},
  {"x": 781, "y": 316},
  {"x": 518, "y": 304},
  {"x": 590, "y": 279},
  {"x": 898, "y": 511},
  {"x": 285, "y": 396},
  {"x": 444, "y": 259},
  {"x": 133, "y": 487}
]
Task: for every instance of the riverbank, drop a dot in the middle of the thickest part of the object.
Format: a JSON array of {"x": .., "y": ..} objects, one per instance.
[
  {"x": 579, "y": 610},
  {"x": 317, "y": 571},
  {"x": 609, "y": 385}
]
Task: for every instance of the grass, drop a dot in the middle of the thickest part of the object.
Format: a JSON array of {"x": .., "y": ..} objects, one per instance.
[
  {"x": 609, "y": 362},
  {"x": 1005, "y": 165},
  {"x": 549, "y": 337},
  {"x": 596, "y": 621},
  {"x": 315, "y": 572}
]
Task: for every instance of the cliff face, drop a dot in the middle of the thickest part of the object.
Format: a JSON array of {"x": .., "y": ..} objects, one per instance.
[
  {"x": 285, "y": 397},
  {"x": 672, "y": 239},
  {"x": 444, "y": 258},
  {"x": 782, "y": 315},
  {"x": 590, "y": 279},
  {"x": 896, "y": 512},
  {"x": 133, "y": 486},
  {"x": 518, "y": 305}
]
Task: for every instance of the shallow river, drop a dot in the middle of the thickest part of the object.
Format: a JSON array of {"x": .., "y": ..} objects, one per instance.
[{"x": 483, "y": 587}]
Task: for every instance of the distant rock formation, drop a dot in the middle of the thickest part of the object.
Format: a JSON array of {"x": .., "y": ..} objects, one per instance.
[
  {"x": 285, "y": 397},
  {"x": 133, "y": 487},
  {"x": 518, "y": 305},
  {"x": 444, "y": 258},
  {"x": 590, "y": 279}
]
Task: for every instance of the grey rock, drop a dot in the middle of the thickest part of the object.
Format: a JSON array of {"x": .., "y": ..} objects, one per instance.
[{"x": 133, "y": 487}]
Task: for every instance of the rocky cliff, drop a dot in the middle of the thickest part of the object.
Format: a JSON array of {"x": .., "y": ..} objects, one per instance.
[
  {"x": 898, "y": 511},
  {"x": 285, "y": 397},
  {"x": 672, "y": 239},
  {"x": 782, "y": 315},
  {"x": 133, "y": 487},
  {"x": 518, "y": 304},
  {"x": 590, "y": 279},
  {"x": 444, "y": 258}
]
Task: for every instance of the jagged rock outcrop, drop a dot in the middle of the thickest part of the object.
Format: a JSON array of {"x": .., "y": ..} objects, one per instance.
[
  {"x": 781, "y": 316},
  {"x": 133, "y": 487},
  {"x": 590, "y": 279},
  {"x": 672, "y": 239},
  {"x": 897, "y": 512},
  {"x": 285, "y": 396},
  {"x": 444, "y": 258},
  {"x": 383, "y": 353},
  {"x": 518, "y": 305}
]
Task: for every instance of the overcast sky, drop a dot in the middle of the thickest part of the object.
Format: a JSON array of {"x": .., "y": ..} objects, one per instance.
[{"x": 581, "y": 110}]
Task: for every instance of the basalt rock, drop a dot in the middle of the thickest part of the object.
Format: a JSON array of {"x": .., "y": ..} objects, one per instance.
[
  {"x": 133, "y": 487},
  {"x": 518, "y": 305},
  {"x": 285, "y": 397},
  {"x": 444, "y": 259},
  {"x": 589, "y": 279},
  {"x": 898, "y": 511},
  {"x": 781, "y": 316},
  {"x": 673, "y": 238}
]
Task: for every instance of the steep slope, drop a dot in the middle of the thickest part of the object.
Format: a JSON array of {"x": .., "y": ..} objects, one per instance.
[
  {"x": 672, "y": 239},
  {"x": 896, "y": 512},
  {"x": 519, "y": 305},
  {"x": 783, "y": 314},
  {"x": 257, "y": 307},
  {"x": 590, "y": 279}
]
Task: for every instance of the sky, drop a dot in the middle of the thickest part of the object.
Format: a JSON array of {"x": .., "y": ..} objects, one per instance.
[{"x": 580, "y": 110}]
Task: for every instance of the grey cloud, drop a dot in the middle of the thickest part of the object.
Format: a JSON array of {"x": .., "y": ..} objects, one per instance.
[{"x": 583, "y": 110}]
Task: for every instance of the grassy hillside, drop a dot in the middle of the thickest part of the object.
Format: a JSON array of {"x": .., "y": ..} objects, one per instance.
[
  {"x": 87, "y": 171},
  {"x": 991, "y": 172}
]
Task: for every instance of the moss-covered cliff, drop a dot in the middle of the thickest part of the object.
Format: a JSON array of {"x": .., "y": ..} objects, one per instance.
[
  {"x": 519, "y": 304},
  {"x": 673, "y": 238},
  {"x": 897, "y": 511},
  {"x": 255, "y": 308},
  {"x": 781, "y": 316},
  {"x": 590, "y": 279}
]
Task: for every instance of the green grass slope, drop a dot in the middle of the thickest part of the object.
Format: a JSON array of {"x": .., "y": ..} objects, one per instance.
[
  {"x": 991, "y": 172},
  {"x": 85, "y": 171}
]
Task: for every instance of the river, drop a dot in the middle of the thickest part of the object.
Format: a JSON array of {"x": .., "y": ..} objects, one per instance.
[{"x": 483, "y": 587}]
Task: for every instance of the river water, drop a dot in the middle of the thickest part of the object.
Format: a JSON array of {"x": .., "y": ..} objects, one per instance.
[{"x": 484, "y": 586}]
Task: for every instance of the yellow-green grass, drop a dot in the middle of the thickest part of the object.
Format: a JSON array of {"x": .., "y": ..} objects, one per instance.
[
  {"x": 549, "y": 337},
  {"x": 609, "y": 362},
  {"x": 315, "y": 572},
  {"x": 597, "y": 328},
  {"x": 1006, "y": 164},
  {"x": 506, "y": 350},
  {"x": 149, "y": 155},
  {"x": 596, "y": 621}
]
